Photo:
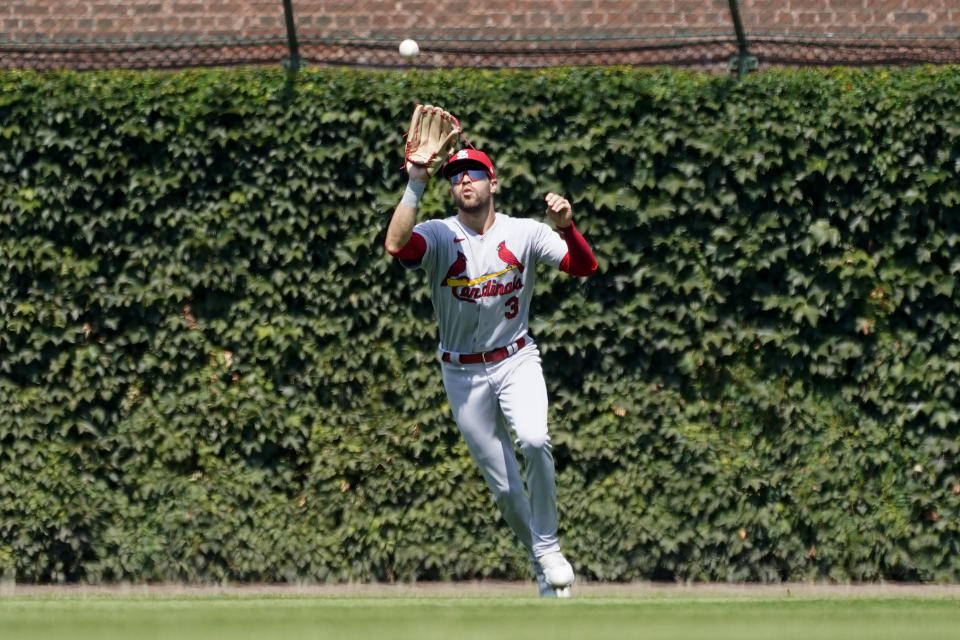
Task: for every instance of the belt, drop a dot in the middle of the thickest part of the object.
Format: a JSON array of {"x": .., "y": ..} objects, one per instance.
[{"x": 488, "y": 357}]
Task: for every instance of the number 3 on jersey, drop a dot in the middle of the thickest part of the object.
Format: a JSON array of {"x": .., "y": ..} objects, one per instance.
[{"x": 512, "y": 306}]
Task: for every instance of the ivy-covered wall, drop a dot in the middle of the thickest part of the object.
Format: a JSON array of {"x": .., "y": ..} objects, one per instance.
[{"x": 210, "y": 370}]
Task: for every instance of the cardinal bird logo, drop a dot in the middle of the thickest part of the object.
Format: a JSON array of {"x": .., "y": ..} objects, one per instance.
[
  {"x": 507, "y": 256},
  {"x": 455, "y": 278},
  {"x": 456, "y": 269}
]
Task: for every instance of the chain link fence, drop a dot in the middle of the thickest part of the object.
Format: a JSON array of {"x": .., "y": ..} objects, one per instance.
[{"x": 737, "y": 35}]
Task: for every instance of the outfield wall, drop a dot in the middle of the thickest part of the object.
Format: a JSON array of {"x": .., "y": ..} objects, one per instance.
[{"x": 210, "y": 370}]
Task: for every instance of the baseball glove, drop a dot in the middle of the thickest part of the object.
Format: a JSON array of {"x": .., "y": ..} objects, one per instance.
[{"x": 431, "y": 138}]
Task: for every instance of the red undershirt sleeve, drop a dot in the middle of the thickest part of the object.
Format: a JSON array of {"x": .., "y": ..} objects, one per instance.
[
  {"x": 579, "y": 260},
  {"x": 414, "y": 250}
]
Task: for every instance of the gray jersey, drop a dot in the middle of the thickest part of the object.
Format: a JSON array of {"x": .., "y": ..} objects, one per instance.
[{"x": 482, "y": 284}]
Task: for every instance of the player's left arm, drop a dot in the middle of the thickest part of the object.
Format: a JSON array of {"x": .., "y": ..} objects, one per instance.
[{"x": 579, "y": 260}]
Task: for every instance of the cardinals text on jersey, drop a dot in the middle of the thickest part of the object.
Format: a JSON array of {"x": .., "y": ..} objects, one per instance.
[{"x": 470, "y": 290}]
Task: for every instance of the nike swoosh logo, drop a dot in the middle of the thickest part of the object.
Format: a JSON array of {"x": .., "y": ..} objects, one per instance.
[{"x": 456, "y": 240}]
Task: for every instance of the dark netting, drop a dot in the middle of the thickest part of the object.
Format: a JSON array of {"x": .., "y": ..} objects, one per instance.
[
  {"x": 703, "y": 34},
  {"x": 695, "y": 52},
  {"x": 838, "y": 50}
]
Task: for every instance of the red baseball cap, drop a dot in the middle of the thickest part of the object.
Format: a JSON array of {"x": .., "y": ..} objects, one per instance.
[{"x": 466, "y": 158}]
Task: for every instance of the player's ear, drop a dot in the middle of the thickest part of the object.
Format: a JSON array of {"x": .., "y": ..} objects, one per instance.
[{"x": 493, "y": 185}]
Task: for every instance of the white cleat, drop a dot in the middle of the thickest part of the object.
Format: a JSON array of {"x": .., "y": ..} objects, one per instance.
[
  {"x": 556, "y": 571},
  {"x": 546, "y": 591}
]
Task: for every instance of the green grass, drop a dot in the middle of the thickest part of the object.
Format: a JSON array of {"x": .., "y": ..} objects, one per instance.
[{"x": 494, "y": 617}]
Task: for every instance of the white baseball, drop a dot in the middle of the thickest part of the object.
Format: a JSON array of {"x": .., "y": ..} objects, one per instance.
[{"x": 409, "y": 48}]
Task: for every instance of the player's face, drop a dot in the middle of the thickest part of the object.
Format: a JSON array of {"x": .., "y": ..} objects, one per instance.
[{"x": 473, "y": 191}]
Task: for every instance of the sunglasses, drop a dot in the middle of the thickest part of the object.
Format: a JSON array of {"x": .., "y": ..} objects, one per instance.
[{"x": 475, "y": 174}]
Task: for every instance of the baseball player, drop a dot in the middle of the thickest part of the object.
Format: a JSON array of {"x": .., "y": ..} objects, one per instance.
[{"x": 481, "y": 269}]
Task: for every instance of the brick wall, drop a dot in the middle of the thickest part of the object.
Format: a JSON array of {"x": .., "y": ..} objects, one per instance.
[{"x": 457, "y": 32}]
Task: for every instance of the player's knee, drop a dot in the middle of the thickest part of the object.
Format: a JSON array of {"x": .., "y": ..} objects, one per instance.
[
  {"x": 507, "y": 504},
  {"x": 508, "y": 497},
  {"x": 534, "y": 443}
]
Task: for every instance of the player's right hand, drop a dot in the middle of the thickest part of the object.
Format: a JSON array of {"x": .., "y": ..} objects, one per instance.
[{"x": 417, "y": 173}]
